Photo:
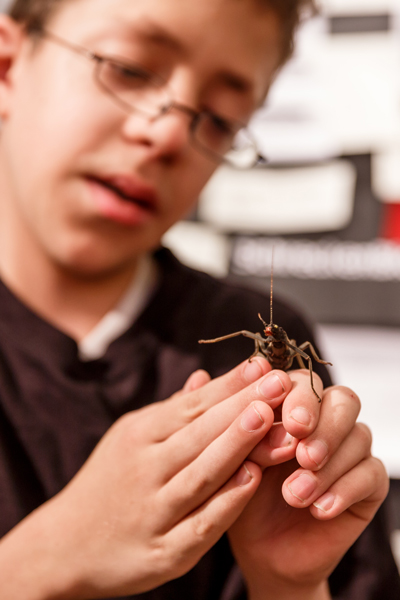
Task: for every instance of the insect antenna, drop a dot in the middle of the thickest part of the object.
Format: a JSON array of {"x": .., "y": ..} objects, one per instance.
[
  {"x": 271, "y": 288},
  {"x": 270, "y": 295}
]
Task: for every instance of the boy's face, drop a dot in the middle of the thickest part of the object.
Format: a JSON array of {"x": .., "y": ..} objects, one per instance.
[{"x": 64, "y": 139}]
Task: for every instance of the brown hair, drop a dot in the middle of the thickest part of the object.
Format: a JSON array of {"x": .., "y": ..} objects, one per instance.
[{"x": 34, "y": 14}]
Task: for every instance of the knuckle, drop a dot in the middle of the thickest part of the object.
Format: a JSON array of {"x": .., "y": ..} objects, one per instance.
[
  {"x": 299, "y": 374},
  {"x": 302, "y": 377},
  {"x": 192, "y": 407},
  {"x": 159, "y": 552},
  {"x": 381, "y": 477},
  {"x": 128, "y": 430},
  {"x": 364, "y": 434},
  {"x": 345, "y": 398},
  {"x": 350, "y": 396},
  {"x": 378, "y": 479},
  {"x": 202, "y": 526},
  {"x": 377, "y": 468},
  {"x": 127, "y": 424},
  {"x": 162, "y": 559},
  {"x": 197, "y": 483}
]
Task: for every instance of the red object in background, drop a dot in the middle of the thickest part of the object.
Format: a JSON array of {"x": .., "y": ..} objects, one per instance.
[{"x": 391, "y": 222}]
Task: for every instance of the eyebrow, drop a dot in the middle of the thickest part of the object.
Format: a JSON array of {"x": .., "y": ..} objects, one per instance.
[
  {"x": 235, "y": 81},
  {"x": 150, "y": 31}
]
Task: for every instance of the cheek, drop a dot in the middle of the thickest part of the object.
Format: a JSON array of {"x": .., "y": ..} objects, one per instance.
[
  {"x": 190, "y": 183},
  {"x": 67, "y": 117},
  {"x": 47, "y": 150}
]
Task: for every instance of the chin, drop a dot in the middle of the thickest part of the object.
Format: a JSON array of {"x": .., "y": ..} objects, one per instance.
[
  {"x": 101, "y": 255},
  {"x": 91, "y": 265}
]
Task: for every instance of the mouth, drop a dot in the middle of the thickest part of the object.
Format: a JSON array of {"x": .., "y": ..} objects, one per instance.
[
  {"x": 128, "y": 190},
  {"x": 123, "y": 199}
]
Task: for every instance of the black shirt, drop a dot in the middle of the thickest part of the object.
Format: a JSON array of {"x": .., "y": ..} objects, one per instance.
[{"x": 54, "y": 408}]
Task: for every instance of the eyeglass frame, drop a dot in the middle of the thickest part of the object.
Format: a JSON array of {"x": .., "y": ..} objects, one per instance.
[{"x": 196, "y": 116}]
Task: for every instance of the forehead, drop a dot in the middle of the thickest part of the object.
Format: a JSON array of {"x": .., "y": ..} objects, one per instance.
[{"x": 239, "y": 38}]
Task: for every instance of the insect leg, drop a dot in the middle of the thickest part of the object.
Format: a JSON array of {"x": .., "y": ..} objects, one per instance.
[
  {"x": 300, "y": 361},
  {"x": 259, "y": 341},
  {"x": 311, "y": 374},
  {"x": 315, "y": 355},
  {"x": 249, "y": 334},
  {"x": 299, "y": 354}
]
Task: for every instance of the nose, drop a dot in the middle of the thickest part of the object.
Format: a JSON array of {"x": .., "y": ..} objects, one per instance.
[{"x": 166, "y": 134}]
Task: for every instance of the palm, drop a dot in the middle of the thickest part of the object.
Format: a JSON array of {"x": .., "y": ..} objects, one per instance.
[{"x": 289, "y": 542}]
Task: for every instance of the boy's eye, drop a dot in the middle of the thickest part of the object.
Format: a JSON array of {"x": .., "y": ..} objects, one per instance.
[
  {"x": 220, "y": 125},
  {"x": 215, "y": 132},
  {"x": 118, "y": 76},
  {"x": 218, "y": 131}
]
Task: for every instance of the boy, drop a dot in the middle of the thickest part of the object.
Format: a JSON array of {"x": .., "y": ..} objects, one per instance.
[{"x": 93, "y": 170}]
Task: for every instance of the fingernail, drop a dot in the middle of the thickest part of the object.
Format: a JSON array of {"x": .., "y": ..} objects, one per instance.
[
  {"x": 317, "y": 451},
  {"x": 244, "y": 476},
  {"x": 301, "y": 415},
  {"x": 326, "y": 502},
  {"x": 271, "y": 387},
  {"x": 279, "y": 438},
  {"x": 302, "y": 487},
  {"x": 251, "y": 419},
  {"x": 253, "y": 370}
]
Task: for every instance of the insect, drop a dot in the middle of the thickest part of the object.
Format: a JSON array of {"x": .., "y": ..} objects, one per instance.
[{"x": 276, "y": 347}]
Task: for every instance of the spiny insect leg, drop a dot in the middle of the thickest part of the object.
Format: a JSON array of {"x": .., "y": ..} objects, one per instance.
[
  {"x": 299, "y": 357},
  {"x": 300, "y": 361},
  {"x": 249, "y": 334},
  {"x": 305, "y": 345},
  {"x": 299, "y": 354}
]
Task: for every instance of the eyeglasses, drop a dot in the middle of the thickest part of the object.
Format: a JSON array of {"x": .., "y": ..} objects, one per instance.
[{"x": 135, "y": 88}]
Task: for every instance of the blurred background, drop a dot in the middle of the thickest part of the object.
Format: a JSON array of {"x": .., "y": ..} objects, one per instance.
[{"x": 328, "y": 202}]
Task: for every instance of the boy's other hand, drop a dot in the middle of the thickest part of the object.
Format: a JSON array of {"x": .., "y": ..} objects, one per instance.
[{"x": 309, "y": 511}]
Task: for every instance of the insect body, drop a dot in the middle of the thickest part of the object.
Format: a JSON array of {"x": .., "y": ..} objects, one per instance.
[{"x": 278, "y": 349}]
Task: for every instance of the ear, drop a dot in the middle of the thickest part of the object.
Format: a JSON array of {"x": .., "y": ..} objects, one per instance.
[{"x": 11, "y": 38}]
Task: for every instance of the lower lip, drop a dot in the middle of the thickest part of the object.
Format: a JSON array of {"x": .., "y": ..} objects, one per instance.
[{"x": 112, "y": 207}]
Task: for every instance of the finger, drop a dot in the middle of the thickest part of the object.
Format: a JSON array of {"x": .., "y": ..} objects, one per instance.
[
  {"x": 209, "y": 471},
  {"x": 197, "y": 435},
  {"x": 303, "y": 487},
  {"x": 172, "y": 415},
  {"x": 196, "y": 380},
  {"x": 192, "y": 406},
  {"x": 199, "y": 531},
  {"x": 276, "y": 447},
  {"x": 301, "y": 409},
  {"x": 339, "y": 411},
  {"x": 363, "y": 488}
]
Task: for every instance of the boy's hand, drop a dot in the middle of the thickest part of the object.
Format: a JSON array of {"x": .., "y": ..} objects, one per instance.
[
  {"x": 308, "y": 512},
  {"x": 158, "y": 491}
]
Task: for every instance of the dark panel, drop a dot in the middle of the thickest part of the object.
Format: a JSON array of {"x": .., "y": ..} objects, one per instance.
[
  {"x": 359, "y": 24},
  {"x": 333, "y": 301}
]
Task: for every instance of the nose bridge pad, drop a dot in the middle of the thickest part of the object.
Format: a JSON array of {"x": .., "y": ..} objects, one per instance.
[
  {"x": 184, "y": 126},
  {"x": 167, "y": 108},
  {"x": 163, "y": 110},
  {"x": 174, "y": 134}
]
